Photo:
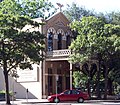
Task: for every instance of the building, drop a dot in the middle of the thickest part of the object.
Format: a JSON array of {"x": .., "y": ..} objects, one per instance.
[
  {"x": 56, "y": 66},
  {"x": 54, "y": 71}
]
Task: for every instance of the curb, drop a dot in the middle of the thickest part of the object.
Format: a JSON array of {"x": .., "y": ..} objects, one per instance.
[{"x": 87, "y": 101}]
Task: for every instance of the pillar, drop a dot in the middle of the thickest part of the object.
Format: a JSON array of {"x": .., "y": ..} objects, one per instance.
[{"x": 70, "y": 75}]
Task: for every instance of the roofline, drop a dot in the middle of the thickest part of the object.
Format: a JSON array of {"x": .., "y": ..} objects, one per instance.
[{"x": 55, "y": 15}]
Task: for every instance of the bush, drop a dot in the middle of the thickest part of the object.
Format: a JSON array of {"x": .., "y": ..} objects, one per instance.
[
  {"x": 2, "y": 95},
  {"x": 79, "y": 79}
]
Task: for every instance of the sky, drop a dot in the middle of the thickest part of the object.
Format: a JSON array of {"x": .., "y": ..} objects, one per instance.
[{"x": 104, "y": 6}]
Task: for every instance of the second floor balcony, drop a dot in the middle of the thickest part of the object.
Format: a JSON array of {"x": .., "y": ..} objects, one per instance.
[{"x": 58, "y": 53}]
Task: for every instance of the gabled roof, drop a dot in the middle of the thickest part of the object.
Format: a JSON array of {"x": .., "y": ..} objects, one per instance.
[{"x": 56, "y": 14}]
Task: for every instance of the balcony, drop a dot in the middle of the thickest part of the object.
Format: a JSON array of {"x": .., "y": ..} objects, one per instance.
[{"x": 58, "y": 53}]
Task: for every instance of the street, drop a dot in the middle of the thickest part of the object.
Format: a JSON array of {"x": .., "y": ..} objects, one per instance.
[{"x": 85, "y": 103}]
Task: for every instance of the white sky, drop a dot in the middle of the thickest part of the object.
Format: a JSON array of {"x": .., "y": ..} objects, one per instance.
[{"x": 96, "y": 5}]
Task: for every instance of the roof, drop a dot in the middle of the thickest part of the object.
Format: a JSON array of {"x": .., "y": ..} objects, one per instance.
[
  {"x": 57, "y": 13},
  {"x": 40, "y": 20}
]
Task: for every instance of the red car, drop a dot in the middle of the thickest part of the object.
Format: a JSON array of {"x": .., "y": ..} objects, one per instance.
[{"x": 69, "y": 95}]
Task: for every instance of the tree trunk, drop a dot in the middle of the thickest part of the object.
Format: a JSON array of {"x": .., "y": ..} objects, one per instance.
[
  {"x": 98, "y": 81},
  {"x": 6, "y": 84},
  {"x": 106, "y": 82},
  {"x": 89, "y": 84},
  {"x": 110, "y": 86}
]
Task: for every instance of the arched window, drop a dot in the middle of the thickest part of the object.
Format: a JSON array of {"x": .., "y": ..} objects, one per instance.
[
  {"x": 50, "y": 41},
  {"x": 67, "y": 41},
  {"x": 59, "y": 41},
  {"x": 60, "y": 34},
  {"x": 68, "y": 38}
]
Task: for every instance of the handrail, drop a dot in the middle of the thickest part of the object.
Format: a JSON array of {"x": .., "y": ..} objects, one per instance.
[{"x": 58, "y": 53}]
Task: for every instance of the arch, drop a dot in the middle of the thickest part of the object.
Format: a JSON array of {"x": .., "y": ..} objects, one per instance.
[
  {"x": 60, "y": 31},
  {"x": 51, "y": 29},
  {"x": 61, "y": 37},
  {"x": 68, "y": 33},
  {"x": 51, "y": 35}
]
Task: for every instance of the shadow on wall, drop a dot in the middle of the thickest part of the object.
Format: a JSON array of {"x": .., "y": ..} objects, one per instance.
[
  {"x": 25, "y": 89},
  {"x": 22, "y": 90}
]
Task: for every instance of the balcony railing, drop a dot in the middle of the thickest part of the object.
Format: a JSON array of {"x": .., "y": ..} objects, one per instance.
[{"x": 59, "y": 53}]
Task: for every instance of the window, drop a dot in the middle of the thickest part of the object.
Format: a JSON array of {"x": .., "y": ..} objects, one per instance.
[
  {"x": 67, "y": 92},
  {"x": 50, "y": 41},
  {"x": 67, "y": 41},
  {"x": 58, "y": 71},
  {"x": 75, "y": 92},
  {"x": 59, "y": 41},
  {"x": 49, "y": 71}
]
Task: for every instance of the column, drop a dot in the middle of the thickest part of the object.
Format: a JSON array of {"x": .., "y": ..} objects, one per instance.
[
  {"x": 43, "y": 83},
  {"x": 70, "y": 75}
]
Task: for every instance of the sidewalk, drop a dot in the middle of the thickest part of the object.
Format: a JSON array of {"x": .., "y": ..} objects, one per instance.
[
  {"x": 25, "y": 101},
  {"x": 37, "y": 101}
]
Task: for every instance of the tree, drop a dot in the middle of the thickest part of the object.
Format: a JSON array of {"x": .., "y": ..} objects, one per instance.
[
  {"x": 30, "y": 8},
  {"x": 79, "y": 79},
  {"x": 75, "y": 12},
  {"x": 18, "y": 48},
  {"x": 37, "y": 8},
  {"x": 10, "y": 7},
  {"x": 114, "y": 18},
  {"x": 95, "y": 37}
]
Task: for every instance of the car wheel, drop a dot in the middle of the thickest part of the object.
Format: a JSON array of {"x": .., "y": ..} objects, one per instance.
[
  {"x": 80, "y": 100},
  {"x": 56, "y": 100}
]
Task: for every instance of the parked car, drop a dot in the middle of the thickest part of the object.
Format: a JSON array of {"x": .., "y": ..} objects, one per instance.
[{"x": 69, "y": 95}]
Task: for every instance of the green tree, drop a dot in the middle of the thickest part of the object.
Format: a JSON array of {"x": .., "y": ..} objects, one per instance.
[
  {"x": 114, "y": 18},
  {"x": 79, "y": 79},
  {"x": 95, "y": 37},
  {"x": 18, "y": 48},
  {"x": 37, "y": 8},
  {"x": 74, "y": 12},
  {"x": 10, "y": 7},
  {"x": 30, "y": 8}
]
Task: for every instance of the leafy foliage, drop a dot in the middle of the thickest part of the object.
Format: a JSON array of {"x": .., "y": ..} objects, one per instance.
[
  {"x": 94, "y": 36},
  {"x": 30, "y": 8},
  {"x": 97, "y": 39},
  {"x": 74, "y": 12},
  {"x": 37, "y": 8},
  {"x": 10, "y": 7},
  {"x": 17, "y": 46},
  {"x": 79, "y": 79}
]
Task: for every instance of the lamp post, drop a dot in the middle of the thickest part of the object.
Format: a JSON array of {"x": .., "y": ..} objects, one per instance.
[{"x": 57, "y": 78}]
